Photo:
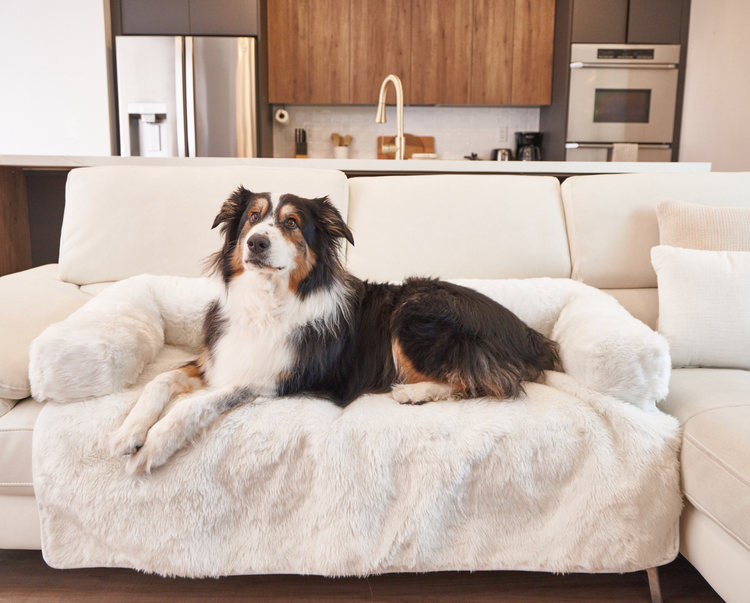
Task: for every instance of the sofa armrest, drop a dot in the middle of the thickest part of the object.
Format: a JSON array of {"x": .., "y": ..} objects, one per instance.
[{"x": 29, "y": 302}]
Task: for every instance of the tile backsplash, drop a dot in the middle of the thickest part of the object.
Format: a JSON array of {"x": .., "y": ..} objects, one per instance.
[{"x": 458, "y": 131}]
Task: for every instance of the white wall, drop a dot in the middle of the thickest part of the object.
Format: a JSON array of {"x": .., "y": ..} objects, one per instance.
[
  {"x": 53, "y": 77},
  {"x": 716, "y": 114}
]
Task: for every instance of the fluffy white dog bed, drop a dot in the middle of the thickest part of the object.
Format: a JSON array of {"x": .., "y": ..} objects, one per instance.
[{"x": 580, "y": 474}]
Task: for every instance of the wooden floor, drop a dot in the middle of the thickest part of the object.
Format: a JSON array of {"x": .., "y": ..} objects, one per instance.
[{"x": 24, "y": 577}]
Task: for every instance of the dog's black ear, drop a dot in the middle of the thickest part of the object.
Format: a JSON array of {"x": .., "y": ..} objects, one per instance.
[
  {"x": 331, "y": 221},
  {"x": 233, "y": 207}
]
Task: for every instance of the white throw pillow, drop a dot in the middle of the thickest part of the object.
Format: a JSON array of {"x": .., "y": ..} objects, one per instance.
[{"x": 704, "y": 306}]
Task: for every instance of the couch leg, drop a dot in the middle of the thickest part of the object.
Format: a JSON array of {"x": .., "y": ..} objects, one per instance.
[{"x": 653, "y": 584}]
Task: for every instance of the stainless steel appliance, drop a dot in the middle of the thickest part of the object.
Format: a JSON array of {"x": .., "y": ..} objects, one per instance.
[
  {"x": 622, "y": 94},
  {"x": 186, "y": 96}
]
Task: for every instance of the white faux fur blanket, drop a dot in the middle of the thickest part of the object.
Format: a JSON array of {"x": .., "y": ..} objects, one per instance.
[{"x": 569, "y": 477}]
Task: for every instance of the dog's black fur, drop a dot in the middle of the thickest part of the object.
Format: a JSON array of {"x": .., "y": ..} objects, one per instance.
[{"x": 422, "y": 330}]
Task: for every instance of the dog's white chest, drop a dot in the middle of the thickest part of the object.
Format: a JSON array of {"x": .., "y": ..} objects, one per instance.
[{"x": 254, "y": 349}]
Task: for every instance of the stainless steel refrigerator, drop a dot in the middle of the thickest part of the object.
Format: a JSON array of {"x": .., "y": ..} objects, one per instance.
[{"x": 186, "y": 96}]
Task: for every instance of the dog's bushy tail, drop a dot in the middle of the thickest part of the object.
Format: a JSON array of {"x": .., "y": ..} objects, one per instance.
[{"x": 545, "y": 357}]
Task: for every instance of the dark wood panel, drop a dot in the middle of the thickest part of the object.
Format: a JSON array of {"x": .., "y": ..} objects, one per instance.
[
  {"x": 492, "y": 52},
  {"x": 651, "y": 22},
  {"x": 46, "y": 195},
  {"x": 25, "y": 577},
  {"x": 553, "y": 118},
  {"x": 15, "y": 238},
  {"x": 380, "y": 46},
  {"x": 288, "y": 51},
  {"x": 330, "y": 81},
  {"x": 224, "y": 17},
  {"x": 441, "y": 51},
  {"x": 533, "y": 48},
  {"x": 601, "y": 21},
  {"x": 155, "y": 17}
]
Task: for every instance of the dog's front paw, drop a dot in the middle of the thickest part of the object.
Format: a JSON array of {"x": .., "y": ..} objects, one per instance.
[
  {"x": 128, "y": 438},
  {"x": 403, "y": 394},
  {"x": 162, "y": 442}
]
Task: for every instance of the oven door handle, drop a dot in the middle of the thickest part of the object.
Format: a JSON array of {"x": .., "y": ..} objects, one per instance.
[
  {"x": 609, "y": 145},
  {"x": 581, "y": 65}
]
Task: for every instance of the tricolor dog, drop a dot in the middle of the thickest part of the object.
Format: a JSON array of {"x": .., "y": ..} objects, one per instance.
[{"x": 292, "y": 321}]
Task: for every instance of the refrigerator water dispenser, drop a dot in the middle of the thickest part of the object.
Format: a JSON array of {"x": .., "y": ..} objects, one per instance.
[{"x": 149, "y": 129}]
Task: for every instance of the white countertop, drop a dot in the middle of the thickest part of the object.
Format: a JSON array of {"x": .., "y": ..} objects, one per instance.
[{"x": 366, "y": 166}]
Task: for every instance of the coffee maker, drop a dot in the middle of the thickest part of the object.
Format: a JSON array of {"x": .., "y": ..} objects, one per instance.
[{"x": 529, "y": 146}]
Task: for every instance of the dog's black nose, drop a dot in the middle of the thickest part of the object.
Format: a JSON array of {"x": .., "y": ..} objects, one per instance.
[{"x": 258, "y": 243}]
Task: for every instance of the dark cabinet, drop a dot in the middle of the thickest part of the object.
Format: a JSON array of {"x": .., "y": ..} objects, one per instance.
[
  {"x": 190, "y": 17},
  {"x": 651, "y": 22},
  {"x": 600, "y": 21},
  {"x": 155, "y": 17},
  {"x": 627, "y": 21},
  {"x": 224, "y": 17}
]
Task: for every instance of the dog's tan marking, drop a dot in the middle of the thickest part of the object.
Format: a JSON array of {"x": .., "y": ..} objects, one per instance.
[
  {"x": 193, "y": 379},
  {"x": 405, "y": 369},
  {"x": 260, "y": 205},
  {"x": 415, "y": 387},
  {"x": 305, "y": 260},
  {"x": 238, "y": 265}
]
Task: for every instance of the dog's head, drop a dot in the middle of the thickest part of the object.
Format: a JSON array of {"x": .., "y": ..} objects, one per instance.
[{"x": 281, "y": 235}]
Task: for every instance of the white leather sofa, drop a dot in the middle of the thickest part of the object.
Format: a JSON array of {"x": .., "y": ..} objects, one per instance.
[{"x": 123, "y": 221}]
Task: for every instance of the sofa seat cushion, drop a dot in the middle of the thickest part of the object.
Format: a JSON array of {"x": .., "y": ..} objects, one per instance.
[
  {"x": 29, "y": 302},
  {"x": 16, "y": 429},
  {"x": 714, "y": 406}
]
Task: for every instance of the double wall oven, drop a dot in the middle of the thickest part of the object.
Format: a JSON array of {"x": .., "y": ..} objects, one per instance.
[{"x": 622, "y": 98}]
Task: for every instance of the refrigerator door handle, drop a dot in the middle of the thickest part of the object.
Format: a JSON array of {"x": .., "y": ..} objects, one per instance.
[
  {"x": 190, "y": 96},
  {"x": 179, "y": 67}
]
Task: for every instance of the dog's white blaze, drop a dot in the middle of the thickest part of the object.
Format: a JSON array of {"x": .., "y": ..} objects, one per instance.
[
  {"x": 261, "y": 314},
  {"x": 282, "y": 253}
]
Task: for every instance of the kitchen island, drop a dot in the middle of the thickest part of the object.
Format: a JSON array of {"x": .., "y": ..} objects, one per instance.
[
  {"x": 30, "y": 222},
  {"x": 368, "y": 166}
]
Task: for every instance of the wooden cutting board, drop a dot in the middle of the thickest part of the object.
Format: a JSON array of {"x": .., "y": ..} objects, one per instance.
[{"x": 414, "y": 144}]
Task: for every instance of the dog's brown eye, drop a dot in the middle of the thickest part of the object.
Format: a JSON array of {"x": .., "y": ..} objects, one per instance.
[
  {"x": 291, "y": 223},
  {"x": 255, "y": 216}
]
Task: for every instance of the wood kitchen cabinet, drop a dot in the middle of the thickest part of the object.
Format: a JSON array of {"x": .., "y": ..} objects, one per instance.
[
  {"x": 380, "y": 45},
  {"x": 441, "y": 52},
  {"x": 533, "y": 47},
  {"x": 308, "y": 52},
  {"x": 330, "y": 78},
  {"x": 447, "y": 52},
  {"x": 492, "y": 52},
  {"x": 288, "y": 51}
]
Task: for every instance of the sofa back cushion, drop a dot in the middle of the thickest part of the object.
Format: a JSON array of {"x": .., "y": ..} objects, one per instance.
[
  {"x": 127, "y": 220},
  {"x": 612, "y": 225},
  {"x": 455, "y": 226}
]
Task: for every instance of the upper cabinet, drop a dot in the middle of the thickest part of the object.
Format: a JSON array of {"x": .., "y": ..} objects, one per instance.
[
  {"x": 190, "y": 17},
  {"x": 628, "y": 21},
  {"x": 380, "y": 45},
  {"x": 451, "y": 52},
  {"x": 441, "y": 51},
  {"x": 533, "y": 47}
]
